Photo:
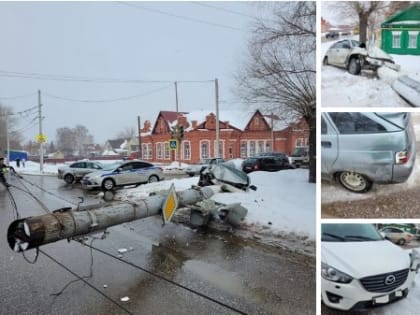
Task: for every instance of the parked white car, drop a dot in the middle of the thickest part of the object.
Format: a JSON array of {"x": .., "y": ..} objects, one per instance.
[{"x": 359, "y": 268}]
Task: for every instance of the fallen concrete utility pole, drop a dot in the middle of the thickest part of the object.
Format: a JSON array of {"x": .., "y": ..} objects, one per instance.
[{"x": 67, "y": 223}]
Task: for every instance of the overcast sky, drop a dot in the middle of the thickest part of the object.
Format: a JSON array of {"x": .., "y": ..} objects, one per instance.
[{"x": 47, "y": 45}]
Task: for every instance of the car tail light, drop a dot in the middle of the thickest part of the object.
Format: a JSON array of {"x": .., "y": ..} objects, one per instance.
[
  {"x": 402, "y": 157},
  {"x": 410, "y": 236},
  {"x": 255, "y": 166}
]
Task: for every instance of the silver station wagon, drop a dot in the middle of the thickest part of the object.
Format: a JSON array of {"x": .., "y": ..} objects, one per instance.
[{"x": 358, "y": 149}]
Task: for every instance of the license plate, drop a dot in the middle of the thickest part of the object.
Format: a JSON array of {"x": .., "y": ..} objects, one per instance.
[{"x": 381, "y": 299}]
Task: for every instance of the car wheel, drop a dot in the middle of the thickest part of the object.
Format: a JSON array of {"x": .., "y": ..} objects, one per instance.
[
  {"x": 354, "y": 66},
  {"x": 355, "y": 182},
  {"x": 153, "y": 179},
  {"x": 191, "y": 174},
  {"x": 69, "y": 179},
  {"x": 401, "y": 242},
  {"x": 325, "y": 61},
  {"x": 108, "y": 184}
]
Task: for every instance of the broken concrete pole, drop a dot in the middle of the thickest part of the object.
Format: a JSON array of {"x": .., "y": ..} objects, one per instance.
[{"x": 66, "y": 223}]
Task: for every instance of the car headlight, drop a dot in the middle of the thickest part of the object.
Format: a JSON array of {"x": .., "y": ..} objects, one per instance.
[
  {"x": 414, "y": 258},
  {"x": 332, "y": 274}
]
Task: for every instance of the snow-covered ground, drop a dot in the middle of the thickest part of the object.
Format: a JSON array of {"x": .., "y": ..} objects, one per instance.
[
  {"x": 339, "y": 88},
  {"x": 284, "y": 201}
]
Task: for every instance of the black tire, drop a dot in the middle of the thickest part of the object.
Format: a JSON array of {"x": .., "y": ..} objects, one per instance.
[
  {"x": 153, "y": 179},
  {"x": 401, "y": 242},
  {"x": 354, "y": 66},
  {"x": 69, "y": 179},
  {"x": 191, "y": 174},
  {"x": 354, "y": 182},
  {"x": 325, "y": 61},
  {"x": 108, "y": 184}
]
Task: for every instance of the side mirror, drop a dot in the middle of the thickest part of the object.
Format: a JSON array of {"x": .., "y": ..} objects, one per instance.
[{"x": 119, "y": 169}]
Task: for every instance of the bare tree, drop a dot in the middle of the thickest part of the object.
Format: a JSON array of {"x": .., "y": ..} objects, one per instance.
[
  {"x": 396, "y": 6},
  {"x": 73, "y": 141},
  {"x": 15, "y": 136},
  {"x": 364, "y": 11},
  {"x": 127, "y": 133},
  {"x": 280, "y": 72}
]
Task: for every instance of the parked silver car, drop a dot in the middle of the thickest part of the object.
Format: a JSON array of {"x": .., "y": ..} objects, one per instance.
[
  {"x": 354, "y": 56},
  {"x": 358, "y": 149},
  {"x": 75, "y": 171},
  {"x": 118, "y": 175},
  {"x": 396, "y": 235}
]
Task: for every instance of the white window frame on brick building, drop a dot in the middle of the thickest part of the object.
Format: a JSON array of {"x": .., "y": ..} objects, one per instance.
[
  {"x": 167, "y": 153},
  {"x": 252, "y": 148},
  {"x": 147, "y": 151},
  {"x": 243, "y": 149},
  {"x": 186, "y": 150},
  {"x": 301, "y": 142},
  {"x": 159, "y": 151},
  {"x": 221, "y": 148},
  {"x": 202, "y": 142}
]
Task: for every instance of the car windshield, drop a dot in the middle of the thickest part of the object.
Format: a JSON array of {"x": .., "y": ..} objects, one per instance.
[
  {"x": 111, "y": 166},
  {"x": 205, "y": 161},
  {"x": 299, "y": 152},
  {"x": 349, "y": 233}
]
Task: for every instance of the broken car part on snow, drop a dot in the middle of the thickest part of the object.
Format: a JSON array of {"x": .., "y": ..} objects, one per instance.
[{"x": 68, "y": 223}]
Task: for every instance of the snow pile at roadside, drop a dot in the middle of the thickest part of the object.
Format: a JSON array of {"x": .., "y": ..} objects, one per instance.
[{"x": 283, "y": 202}]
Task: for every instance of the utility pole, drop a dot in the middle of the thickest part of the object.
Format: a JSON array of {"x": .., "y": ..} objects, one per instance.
[
  {"x": 216, "y": 83},
  {"x": 7, "y": 137},
  {"x": 41, "y": 143},
  {"x": 139, "y": 129},
  {"x": 176, "y": 96}
]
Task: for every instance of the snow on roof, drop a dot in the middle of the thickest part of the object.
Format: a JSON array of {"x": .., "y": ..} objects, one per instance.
[
  {"x": 405, "y": 23},
  {"x": 236, "y": 118}
]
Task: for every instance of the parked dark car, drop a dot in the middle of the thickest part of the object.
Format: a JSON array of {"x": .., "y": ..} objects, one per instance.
[
  {"x": 332, "y": 34},
  {"x": 265, "y": 163}
]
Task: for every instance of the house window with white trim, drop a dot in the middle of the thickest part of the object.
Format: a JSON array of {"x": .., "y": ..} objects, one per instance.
[
  {"x": 221, "y": 149},
  {"x": 243, "y": 150},
  {"x": 159, "y": 150},
  {"x": 166, "y": 150},
  {"x": 251, "y": 148},
  {"x": 204, "y": 149},
  {"x": 149, "y": 151},
  {"x": 268, "y": 146},
  {"x": 186, "y": 150},
  {"x": 412, "y": 39},
  {"x": 299, "y": 142},
  {"x": 396, "y": 39},
  {"x": 260, "y": 147},
  {"x": 144, "y": 151}
]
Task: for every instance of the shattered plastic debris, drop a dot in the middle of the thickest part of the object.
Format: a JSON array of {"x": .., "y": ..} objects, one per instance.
[
  {"x": 122, "y": 250},
  {"x": 105, "y": 286},
  {"x": 125, "y": 299}
]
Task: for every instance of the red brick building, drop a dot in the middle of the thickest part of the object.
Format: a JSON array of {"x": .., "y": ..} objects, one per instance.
[{"x": 242, "y": 134}]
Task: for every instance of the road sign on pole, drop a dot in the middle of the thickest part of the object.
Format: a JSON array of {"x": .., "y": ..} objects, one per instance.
[
  {"x": 170, "y": 205},
  {"x": 173, "y": 144}
]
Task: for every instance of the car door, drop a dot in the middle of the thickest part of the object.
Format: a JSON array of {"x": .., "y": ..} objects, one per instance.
[
  {"x": 124, "y": 174},
  {"x": 339, "y": 53},
  {"x": 140, "y": 172},
  {"x": 78, "y": 169},
  {"x": 329, "y": 146}
]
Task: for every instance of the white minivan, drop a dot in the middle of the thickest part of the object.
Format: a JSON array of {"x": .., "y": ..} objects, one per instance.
[{"x": 360, "y": 269}]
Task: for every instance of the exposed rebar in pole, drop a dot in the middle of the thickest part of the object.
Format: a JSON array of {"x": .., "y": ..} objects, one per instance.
[
  {"x": 216, "y": 83},
  {"x": 41, "y": 142}
]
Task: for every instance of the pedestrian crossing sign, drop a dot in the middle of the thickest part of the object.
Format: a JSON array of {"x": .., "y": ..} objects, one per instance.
[{"x": 173, "y": 144}]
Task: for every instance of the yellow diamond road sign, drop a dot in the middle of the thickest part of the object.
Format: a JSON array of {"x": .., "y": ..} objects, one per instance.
[
  {"x": 41, "y": 138},
  {"x": 170, "y": 205}
]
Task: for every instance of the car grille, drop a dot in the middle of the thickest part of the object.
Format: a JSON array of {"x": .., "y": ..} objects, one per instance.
[{"x": 378, "y": 283}]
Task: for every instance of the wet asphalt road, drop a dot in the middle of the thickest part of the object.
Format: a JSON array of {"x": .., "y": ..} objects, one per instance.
[{"x": 245, "y": 275}]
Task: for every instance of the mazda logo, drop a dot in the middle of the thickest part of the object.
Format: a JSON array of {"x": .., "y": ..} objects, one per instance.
[{"x": 389, "y": 280}]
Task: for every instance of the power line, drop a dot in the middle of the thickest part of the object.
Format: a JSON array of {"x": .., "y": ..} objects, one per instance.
[
  {"x": 224, "y": 9},
  {"x": 183, "y": 17},
  {"x": 106, "y": 100},
  {"x": 55, "y": 77},
  {"x": 16, "y": 97}
]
